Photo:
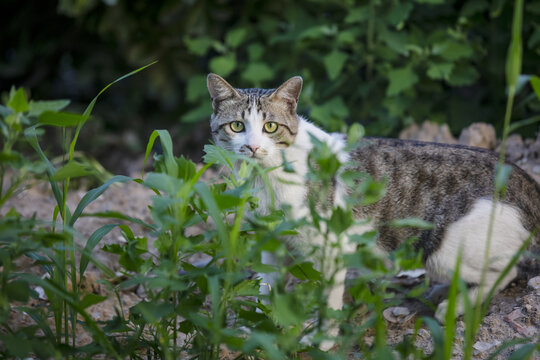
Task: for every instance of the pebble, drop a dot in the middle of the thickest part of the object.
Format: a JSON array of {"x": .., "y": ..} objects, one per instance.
[
  {"x": 397, "y": 314},
  {"x": 534, "y": 283},
  {"x": 482, "y": 346},
  {"x": 536, "y": 169}
]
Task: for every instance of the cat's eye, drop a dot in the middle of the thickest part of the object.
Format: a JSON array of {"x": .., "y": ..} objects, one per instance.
[
  {"x": 270, "y": 127},
  {"x": 237, "y": 126}
]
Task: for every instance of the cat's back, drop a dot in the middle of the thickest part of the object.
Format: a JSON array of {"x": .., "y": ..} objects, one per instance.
[{"x": 439, "y": 182}]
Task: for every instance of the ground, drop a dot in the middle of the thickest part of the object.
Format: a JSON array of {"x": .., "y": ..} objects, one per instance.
[{"x": 514, "y": 313}]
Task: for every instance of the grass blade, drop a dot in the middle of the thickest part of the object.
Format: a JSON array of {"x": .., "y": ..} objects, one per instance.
[
  {"x": 92, "y": 242},
  {"x": 94, "y": 194}
]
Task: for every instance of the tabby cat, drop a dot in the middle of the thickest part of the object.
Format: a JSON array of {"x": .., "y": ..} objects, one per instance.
[{"x": 450, "y": 186}]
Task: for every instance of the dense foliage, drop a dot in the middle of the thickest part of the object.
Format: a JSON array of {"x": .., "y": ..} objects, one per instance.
[{"x": 383, "y": 63}]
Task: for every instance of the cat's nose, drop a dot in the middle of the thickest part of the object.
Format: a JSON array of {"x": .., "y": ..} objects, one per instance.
[{"x": 253, "y": 148}]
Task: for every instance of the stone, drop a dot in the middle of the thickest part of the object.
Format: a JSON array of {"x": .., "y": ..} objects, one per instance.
[
  {"x": 534, "y": 283},
  {"x": 429, "y": 131},
  {"x": 397, "y": 314},
  {"x": 479, "y": 135},
  {"x": 482, "y": 346},
  {"x": 515, "y": 149}
]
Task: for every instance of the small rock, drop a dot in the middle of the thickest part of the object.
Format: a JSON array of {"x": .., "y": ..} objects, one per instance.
[
  {"x": 41, "y": 293},
  {"x": 479, "y": 135},
  {"x": 516, "y": 314},
  {"x": 534, "y": 282},
  {"x": 423, "y": 333},
  {"x": 429, "y": 131},
  {"x": 397, "y": 314},
  {"x": 515, "y": 148},
  {"x": 481, "y": 346},
  {"x": 536, "y": 169}
]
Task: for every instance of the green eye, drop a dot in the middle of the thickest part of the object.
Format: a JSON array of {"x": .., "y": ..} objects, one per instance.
[
  {"x": 237, "y": 126},
  {"x": 270, "y": 127}
]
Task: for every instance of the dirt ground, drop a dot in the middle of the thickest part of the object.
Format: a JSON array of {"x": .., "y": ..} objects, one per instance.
[{"x": 513, "y": 314}]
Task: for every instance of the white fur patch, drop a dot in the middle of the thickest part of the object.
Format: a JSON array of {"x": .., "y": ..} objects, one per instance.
[{"x": 469, "y": 235}]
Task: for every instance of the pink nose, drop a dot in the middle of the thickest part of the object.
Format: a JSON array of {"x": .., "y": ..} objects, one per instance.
[{"x": 253, "y": 148}]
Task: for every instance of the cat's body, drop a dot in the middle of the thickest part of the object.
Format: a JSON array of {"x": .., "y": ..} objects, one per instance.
[{"x": 449, "y": 186}]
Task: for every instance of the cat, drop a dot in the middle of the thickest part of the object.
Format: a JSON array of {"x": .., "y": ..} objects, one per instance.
[{"x": 451, "y": 186}]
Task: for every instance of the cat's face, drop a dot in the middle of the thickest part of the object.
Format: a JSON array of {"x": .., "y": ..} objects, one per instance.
[{"x": 257, "y": 123}]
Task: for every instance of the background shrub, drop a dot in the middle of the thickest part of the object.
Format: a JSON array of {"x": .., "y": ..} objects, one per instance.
[{"x": 384, "y": 63}]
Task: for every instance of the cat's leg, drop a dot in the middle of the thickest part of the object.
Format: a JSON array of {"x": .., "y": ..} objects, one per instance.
[
  {"x": 337, "y": 289},
  {"x": 468, "y": 237},
  {"x": 268, "y": 280}
]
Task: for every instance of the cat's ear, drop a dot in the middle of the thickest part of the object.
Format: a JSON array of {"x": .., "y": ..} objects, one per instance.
[
  {"x": 219, "y": 89},
  {"x": 289, "y": 92}
]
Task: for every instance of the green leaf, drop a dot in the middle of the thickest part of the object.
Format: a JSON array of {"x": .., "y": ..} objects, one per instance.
[
  {"x": 340, "y": 220},
  {"x": 17, "y": 290},
  {"x": 399, "y": 12},
  {"x": 355, "y": 133},
  {"x": 397, "y": 41},
  {"x": 235, "y": 37},
  {"x": 61, "y": 119},
  {"x": 474, "y": 7},
  {"x": 5, "y": 111},
  {"x": 346, "y": 37},
  {"x": 91, "y": 243},
  {"x": 357, "y": 15},
  {"x": 36, "y": 108},
  {"x": 217, "y": 155},
  {"x": 90, "y": 107},
  {"x": 255, "y": 51},
  {"x": 513, "y": 59},
  {"x": 412, "y": 223},
  {"x": 535, "y": 83},
  {"x": 196, "y": 88},
  {"x": 334, "y": 109},
  {"x": 91, "y": 299},
  {"x": 285, "y": 311},
  {"x": 305, "y": 271},
  {"x": 223, "y": 65},
  {"x": 452, "y": 50},
  {"x": 72, "y": 169},
  {"x": 17, "y": 346},
  {"x": 524, "y": 352},
  {"x": 166, "y": 142},
  {"x": 152, "y": 311},
  {"x": 334, "y": 62},
  {"x": 198, "y": 46},
  {"x": 213, "y": 210},
  {"x": 463, "y": 75},
  {"x": 18, "y": 101},
  {"x": 439, "y": 71},
  {"x": 93, "y": 194},
  {"x": 525, "y": 122},
  {"x": 258, "y": 72},
  {"x": 401, "y": 80},
  {"x": 367, "y": 238},
  {"x": 502, "y": 175},
  {"x": 247, "y": 288}
]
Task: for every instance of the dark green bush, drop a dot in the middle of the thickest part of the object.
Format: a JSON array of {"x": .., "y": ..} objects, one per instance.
[{"x": 384, "y": 63}]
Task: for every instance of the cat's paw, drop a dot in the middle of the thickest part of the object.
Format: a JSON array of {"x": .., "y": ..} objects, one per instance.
[
  {"x": 327, "y": 345},
  {"x": 440, "y": 313},
  {"x": 309, "y": 339}
]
